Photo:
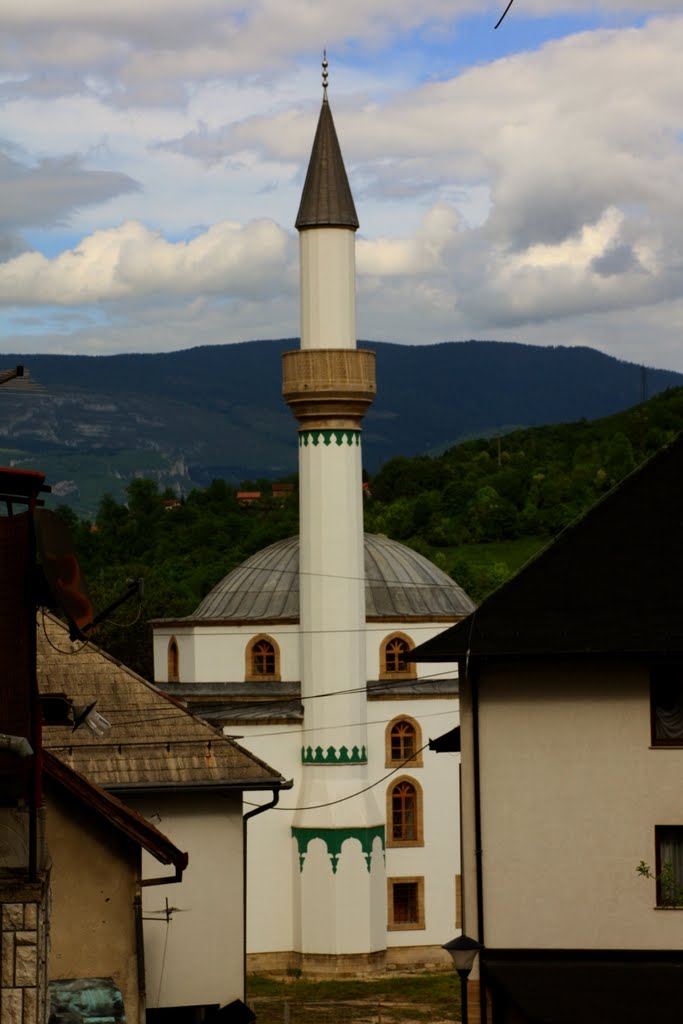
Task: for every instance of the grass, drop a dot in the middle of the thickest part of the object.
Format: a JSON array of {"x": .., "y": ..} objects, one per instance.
[{"x": 387, "y": 1000}]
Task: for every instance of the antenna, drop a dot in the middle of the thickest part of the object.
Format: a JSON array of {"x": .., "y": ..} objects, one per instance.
[{"x": 64, "y": 578}]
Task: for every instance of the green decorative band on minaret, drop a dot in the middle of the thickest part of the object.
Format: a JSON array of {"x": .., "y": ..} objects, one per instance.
[
  {"x": 332, "y": 756},
  {"x": 328, "y": 437},
  {"x": 334, "y": 838}
]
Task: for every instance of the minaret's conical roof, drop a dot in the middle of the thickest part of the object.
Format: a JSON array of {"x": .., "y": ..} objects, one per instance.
[{"x": 326, "y": 201}]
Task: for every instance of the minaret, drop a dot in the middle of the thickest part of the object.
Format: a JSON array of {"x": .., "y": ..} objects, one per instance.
[{"x": 328, "y": 384}]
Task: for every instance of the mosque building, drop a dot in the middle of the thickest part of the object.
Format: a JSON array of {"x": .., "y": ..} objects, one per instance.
[{"x": 301, "y": 651}]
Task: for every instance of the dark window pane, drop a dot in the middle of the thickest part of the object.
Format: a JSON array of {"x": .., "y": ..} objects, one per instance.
[{"x": 406, "y": 910}]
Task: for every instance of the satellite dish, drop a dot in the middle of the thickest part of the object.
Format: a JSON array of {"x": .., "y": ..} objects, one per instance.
[{"x": 62, "y": 571}]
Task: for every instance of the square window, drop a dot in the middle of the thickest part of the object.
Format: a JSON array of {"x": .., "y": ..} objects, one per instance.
[
  {"x": 669, "y": 850},
  {"x": 405, "y": 903},
  {"x": 666, "y": 701}
]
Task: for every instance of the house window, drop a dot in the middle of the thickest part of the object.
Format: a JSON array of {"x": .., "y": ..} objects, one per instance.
[
  {"x": 669, "y": 852},
  {"x": 403, "y": 741},
  {"x": 173, "y": 661},
  {"x": 392, "y": 663},
  {"x": 262, "y": 659},
  {"x": 404, "y": 813},
  {"x": 405, "y": 904},
  {"x": 666, "y": 701}
]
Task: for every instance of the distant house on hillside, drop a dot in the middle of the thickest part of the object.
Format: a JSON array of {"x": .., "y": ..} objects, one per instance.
[
  {"x": 94, "y": 842},
  {"x": 187, "y": 779},
  {"x": 571, "y": 685}
]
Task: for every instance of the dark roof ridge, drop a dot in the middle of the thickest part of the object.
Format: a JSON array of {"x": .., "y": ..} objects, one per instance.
[{"x": 598, "y": 587}]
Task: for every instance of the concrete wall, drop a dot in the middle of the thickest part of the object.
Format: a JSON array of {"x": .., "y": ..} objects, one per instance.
[
  {"x": 195, "y": 957},
  {"x": 94, "y": 883},
  {"x": 571, "y": 794}
]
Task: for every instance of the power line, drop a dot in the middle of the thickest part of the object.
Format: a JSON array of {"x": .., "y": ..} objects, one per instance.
[
  {"x": 351, "y": 796},
  {"x": 383, "y": 685}
]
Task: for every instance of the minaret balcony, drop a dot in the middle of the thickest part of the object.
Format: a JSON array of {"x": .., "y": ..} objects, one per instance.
[{"x": 328, "y": 388}]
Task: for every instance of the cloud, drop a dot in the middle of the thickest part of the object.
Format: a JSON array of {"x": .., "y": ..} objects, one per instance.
[
  {"x": 131, "y": 262},
  {"x": 50, "y": 191}
]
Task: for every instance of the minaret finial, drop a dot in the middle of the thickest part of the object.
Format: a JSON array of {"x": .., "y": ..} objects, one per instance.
[{"x": 325, "y": 76}]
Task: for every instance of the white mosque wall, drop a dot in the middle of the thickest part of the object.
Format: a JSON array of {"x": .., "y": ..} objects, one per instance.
[
  {"x": 437, "y": 862},
  {"x": 273, "y": 856},
  {"x": 216, "y": 653}
]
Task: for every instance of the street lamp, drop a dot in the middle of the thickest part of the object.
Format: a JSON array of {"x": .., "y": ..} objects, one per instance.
[{"x": 463, "y": 951}]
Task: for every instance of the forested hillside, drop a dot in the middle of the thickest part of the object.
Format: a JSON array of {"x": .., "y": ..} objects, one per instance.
[
  {"x": 216, "y": 412},
  {"x": 479, "y": 510}
]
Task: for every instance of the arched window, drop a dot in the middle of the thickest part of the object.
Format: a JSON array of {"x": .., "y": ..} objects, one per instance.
[
  {"x": 403, "y": 740},
  {"x": 173, "y": 661},
  {"x": 392, "y": 659},
  {"x": 404, "y": 813},
  {"x": 262, "y": 659}
]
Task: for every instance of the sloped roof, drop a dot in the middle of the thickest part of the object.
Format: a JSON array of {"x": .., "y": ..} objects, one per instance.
[
  {"x": 155, "y": 742},
  {"x": 399, "y": 584},
  {"x": 608, "y": 584},
  {"x": 326, "y": 200},
  {"x": 114, "y": 812}
]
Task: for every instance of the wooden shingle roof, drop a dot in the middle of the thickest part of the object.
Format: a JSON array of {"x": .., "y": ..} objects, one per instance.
[
  {"x": 155, "y": 742},
  {"x": 609, "y": 584},
  {"x": 115, "y": 813}
]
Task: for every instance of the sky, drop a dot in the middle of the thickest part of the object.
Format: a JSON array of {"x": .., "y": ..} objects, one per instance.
[{"x": 523, "y": 183}]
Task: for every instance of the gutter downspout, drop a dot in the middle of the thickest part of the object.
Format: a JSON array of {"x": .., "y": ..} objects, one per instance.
[
  {"x": 140, "y": 952},
  {"x": 167, "y": 879},
  {"x": 473, "y": 674},
  {"x": 245, "y": 818}
]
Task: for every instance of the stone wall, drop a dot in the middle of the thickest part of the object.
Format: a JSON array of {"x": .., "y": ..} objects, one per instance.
[{"x": 23, "y": 964}]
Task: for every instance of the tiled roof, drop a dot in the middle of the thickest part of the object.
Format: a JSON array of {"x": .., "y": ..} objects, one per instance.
[
  {"x": 155, "y": 742},
  {"x": 608, "y": 584},
  {"x": 326, "y": 200}
]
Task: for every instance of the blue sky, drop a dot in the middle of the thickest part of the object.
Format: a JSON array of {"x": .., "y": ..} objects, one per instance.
[{"x": 520, "y": 184}]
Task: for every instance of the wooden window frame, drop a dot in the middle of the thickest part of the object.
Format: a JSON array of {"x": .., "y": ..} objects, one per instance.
[
  {"x": 657, "y": 678},
  {"x": 660, "y": 834},
  {"x": 419, "y": 827},
  {"x": 416, "y": 760},
  {"x": 173, "y": 661},
  {"x": 409, "y": 672},
  {"x": 404, "y": 926},
  {"x": 261, "y": 677}
]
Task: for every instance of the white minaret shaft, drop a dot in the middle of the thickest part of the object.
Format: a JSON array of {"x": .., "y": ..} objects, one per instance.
[{"x": 329, "y": 384}]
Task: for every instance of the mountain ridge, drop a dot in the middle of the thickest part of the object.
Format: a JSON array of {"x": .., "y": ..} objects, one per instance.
[{"x": 188, "y": 416}]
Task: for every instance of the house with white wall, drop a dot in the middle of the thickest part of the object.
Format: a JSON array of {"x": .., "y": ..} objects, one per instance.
[
  {"x": 571, "y": 683},
  {"x": 188, "y": 780}
]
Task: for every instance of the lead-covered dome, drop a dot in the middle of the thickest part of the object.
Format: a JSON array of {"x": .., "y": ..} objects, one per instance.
[{"x": 399, "y": 584}]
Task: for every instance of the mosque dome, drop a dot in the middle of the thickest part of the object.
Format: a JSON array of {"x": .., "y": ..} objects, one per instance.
[{"x": 400, "y": 584}]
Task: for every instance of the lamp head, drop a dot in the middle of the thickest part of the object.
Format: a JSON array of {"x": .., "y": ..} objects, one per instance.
[
  {"x": 85, "y": 714},
  {"x": 463, "y": 951}
]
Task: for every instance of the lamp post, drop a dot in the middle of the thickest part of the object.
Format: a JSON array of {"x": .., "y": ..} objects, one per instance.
[{"x": 463, "y": 951}]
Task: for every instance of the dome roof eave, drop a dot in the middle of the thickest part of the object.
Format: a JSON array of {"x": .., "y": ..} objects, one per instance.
[{"x": 400, "y": 584}]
